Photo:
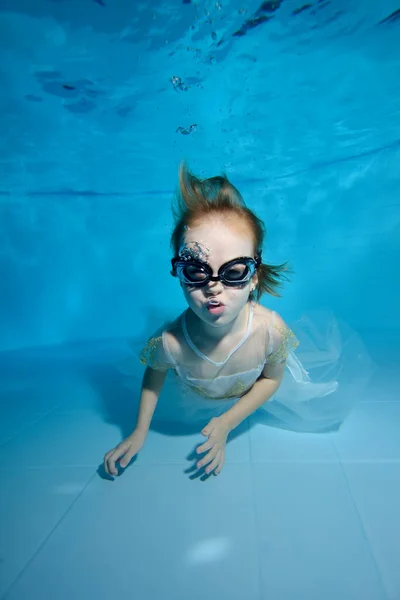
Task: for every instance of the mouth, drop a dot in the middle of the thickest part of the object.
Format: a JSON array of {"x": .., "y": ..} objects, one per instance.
[
  {"x": 213, "y": 303},
  {"x": 214, "y": 307}
]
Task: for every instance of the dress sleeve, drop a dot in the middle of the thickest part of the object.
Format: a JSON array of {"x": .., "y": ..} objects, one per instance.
[
  {"x": 154, "y": 354},
  {"x": 282, "y": 341}
]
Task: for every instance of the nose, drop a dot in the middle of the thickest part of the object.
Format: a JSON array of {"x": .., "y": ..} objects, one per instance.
[{"x": 214, "y": 287}]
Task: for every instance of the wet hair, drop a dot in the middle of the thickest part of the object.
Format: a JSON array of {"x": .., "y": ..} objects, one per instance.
[{"x": 216, "y": 197}]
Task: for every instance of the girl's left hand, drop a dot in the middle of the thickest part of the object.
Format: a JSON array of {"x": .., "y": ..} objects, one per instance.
[{"x": 217, "y": 433}]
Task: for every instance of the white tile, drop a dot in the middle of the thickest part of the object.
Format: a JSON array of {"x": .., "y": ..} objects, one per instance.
[
  {"x": 163, "y": 447},
  {"x": 93, "y": 408},
  {"x": 311, "y": 542},
  {"x": 19, "y": 408},
  {"x": 27, "y": 396},
  {"x": 32, "y": 503},
  {"x": 371, "y": 432},
  {"x": 77, "y": 393},
  {"x": 99, "y": 389},
  {"x": 152, "y": 534},
  {"x": 60, "y": 440},
  {"x": 270, "y": 444},
  {"x": 82, "y": 439},
  {"x": 14, "y": 419},
  {"x": 376, "y": 491}
]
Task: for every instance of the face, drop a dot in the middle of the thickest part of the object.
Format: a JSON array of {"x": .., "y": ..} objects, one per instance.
[{"x": 216, "y": 242}]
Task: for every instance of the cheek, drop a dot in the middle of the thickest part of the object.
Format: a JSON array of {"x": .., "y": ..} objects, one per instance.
[
  {"x": 240, "y": 293},
  {"x": 192, "y": 295}
]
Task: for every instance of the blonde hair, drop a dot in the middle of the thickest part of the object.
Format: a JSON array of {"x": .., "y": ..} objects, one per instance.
[{"x": 199, "y": 199}]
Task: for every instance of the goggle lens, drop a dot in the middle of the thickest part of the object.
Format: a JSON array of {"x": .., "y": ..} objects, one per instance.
[
  {"x": 192, "y": 273},
  {"x": 234, "y": 273}
]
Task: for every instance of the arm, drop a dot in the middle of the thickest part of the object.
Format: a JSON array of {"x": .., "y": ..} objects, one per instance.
[
  {"x": 218, "y": 428},
  {"x": 152, "y": 384},
  {"x": 157, "y": 362},
  {"x": 151, "y": 387},
  {"x": 282, "y": 341},
  {"x": 262, "y": 390}
]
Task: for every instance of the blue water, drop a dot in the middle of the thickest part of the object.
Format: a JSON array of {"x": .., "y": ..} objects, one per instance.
[{"x": 299, "y": 103}]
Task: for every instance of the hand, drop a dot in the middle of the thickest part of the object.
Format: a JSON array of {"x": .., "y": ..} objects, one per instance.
[
  {"x": 128, "y": 448},
  {"x": 217, "y": 432}
]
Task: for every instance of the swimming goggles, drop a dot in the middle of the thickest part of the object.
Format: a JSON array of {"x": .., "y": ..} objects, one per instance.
[{"x": 198, "y": 273}]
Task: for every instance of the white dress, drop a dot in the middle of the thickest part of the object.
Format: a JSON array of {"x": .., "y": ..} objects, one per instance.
[{"x": 323, "y": 379}]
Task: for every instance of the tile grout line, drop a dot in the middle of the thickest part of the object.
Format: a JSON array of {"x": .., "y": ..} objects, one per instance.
[
  {"x": 28, "y": 425},
  {"x": 372, "y": 554},
  {"x": 46, "y": 539},
  {"x": 394, "y": 461},
  {"x": 254, "y": 514}
]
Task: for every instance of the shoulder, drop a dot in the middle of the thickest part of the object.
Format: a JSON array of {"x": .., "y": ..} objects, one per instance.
[
  {"x": 280, "y": 340},
  {"x": 161, "y": 350},
  {"x": 172, "y": 338},
  {"x": 268, "y": 318}
]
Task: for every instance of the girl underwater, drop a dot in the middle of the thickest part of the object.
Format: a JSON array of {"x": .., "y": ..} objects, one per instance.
[{"x": 227, "y": 356}]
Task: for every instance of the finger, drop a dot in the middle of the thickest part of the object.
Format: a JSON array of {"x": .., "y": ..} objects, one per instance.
[
  {"x": 208, "y": 428},
  {"x": 221, "y": 464},
  {"x": 106, "y": 461},
  {"x": 208, "y": 458},
  {"x": 204, "y": 447},
  {"x": 114, "y": 455},
  {"x": 109, "y": 465},
  {"x": 127, "y": 458},
  {"x": 214, "y": 464}
]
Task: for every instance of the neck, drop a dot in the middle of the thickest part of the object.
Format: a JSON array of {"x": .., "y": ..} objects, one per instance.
[{"x": 205, "y": 330}]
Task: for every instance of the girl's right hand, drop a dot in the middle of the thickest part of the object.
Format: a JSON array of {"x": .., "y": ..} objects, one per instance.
[{"x": 128, "y": 448}]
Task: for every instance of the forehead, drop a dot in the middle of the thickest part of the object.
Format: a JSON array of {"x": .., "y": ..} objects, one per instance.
[{"x": 220, "y": 241}]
